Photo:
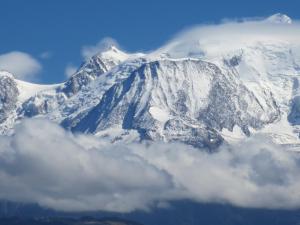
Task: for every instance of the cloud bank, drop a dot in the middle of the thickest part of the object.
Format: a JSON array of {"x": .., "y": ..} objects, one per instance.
[
  {"x": 22, "y": 65},
  {"x": 44, "y": 164}
]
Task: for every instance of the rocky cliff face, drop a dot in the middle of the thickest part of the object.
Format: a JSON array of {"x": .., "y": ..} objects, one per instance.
[
  {"x": 189, "y": 100},
  {"x": 93, "y": 68},
  {"x": 8, "y": 95}
]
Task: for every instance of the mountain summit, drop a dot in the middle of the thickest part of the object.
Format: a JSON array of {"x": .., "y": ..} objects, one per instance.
[{"x": 280, "y": 18}]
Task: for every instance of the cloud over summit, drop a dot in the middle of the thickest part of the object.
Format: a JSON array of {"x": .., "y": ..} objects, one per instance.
[
  {"x": 103, "y": 45},
  {"x": 215, "y": 39}
]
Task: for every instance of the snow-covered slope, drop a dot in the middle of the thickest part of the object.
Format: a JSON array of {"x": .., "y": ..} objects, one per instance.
[
  {"x": 201, "y": 88},
  {"x": 279, "y": 18},
  {"x": 95, "y": 66},
  {"x": 13, "y": 94},
  {"x": 28, "y": 90},
  {"x": 187, "y": 100}
]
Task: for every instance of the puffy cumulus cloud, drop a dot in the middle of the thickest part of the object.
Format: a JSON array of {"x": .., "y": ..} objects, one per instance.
[
  {"x": 70, "y": 70},
  {"x": 254, "y": 173},
  {"x": 91, "y": 50},
  {"x": 44, "y": 164},
  {"x": 216, "y": 39},
  {"x": 22, "y": 65}
]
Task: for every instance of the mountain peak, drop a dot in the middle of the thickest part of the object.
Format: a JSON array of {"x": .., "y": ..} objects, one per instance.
[
  {"x": 4, "y": 73},
  {"x": 113, "y": 48},
  {"x": 109, "y": 47},
  {"x": 279, "y": 18},
  {"x": 112, "y": 52}
]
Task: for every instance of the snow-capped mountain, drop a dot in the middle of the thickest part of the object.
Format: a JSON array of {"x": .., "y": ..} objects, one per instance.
[{"x": 194, "y": 90}]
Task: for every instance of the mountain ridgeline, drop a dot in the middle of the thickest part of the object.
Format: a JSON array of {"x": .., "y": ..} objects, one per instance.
[{"x": 202, "y": 100}]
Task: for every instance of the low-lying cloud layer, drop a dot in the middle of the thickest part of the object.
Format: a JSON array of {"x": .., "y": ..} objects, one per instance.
[{"x": 44, "y": 164}]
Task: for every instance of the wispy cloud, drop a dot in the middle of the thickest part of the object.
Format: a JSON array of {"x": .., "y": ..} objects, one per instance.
[
  {"x": 70, "y": 70},
  {"x": 91, "y": 50},
  {"x": 22, "y": 65},
  {"x": 46, "y": 55}
]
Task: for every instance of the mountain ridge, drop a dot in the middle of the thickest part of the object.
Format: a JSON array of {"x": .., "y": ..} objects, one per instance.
[{"x": 202, "y": 98}]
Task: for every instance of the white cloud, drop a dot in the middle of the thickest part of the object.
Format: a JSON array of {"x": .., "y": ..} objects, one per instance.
[
  {"x": 44, "y": 164},
  {"x": 55, "y": 170},
  {"x": 70, "y": 70},
  {"x": 22, "y": 65},
  {"x": 214, "y": 40},
  {"x": 91, "y": 50}
]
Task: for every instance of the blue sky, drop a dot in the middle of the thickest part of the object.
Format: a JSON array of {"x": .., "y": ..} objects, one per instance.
[{"x": 53, "y": 32}]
